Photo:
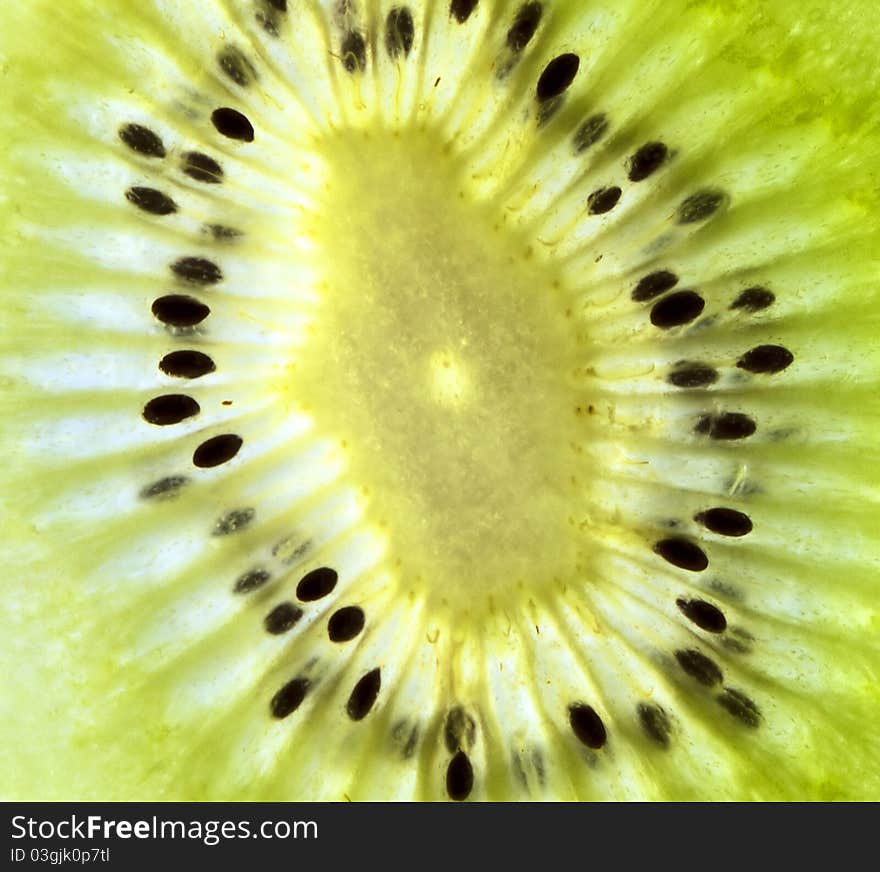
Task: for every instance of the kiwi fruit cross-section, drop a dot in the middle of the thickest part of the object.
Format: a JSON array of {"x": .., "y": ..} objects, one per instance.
[{"x": 440, "y": 400}]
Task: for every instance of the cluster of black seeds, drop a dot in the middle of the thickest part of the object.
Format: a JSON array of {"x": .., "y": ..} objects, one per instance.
[
  {"x": 344, "y": 624},
  {"x": 183, "y": 311},
  {"x": 678, "y": 308},
  {"x": 670, "y": 307},
  {"x": 683, "y": 553}
]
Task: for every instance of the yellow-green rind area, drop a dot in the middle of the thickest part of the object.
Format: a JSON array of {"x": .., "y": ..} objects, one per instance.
[{"x": 425, "y": 335}]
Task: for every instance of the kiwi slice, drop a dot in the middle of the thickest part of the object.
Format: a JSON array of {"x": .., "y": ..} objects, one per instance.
[{"x": 443, "y": 399}]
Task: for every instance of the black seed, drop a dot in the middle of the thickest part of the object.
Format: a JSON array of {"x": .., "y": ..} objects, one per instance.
[
  {"x": 202, "y": 168},
  {"x": 217, "y": 450},
  {"x": 142, "y": 140},
  {"x": 654, "y": 284},
  {"x": 269, "y": 21},
  {"x": 405, "y": 737},
  {"x": 233, "y": 522},
  {"x": 727, "y": 590},
  {"x": 345, "y": 624},
  {"x": 727, "y": 425},
  {"x": 354, "y": 52},
  {"x": 753, "y": 299},
  {"x": 699, "y": 666},
  {"x": 518, "y": 771},
  {"x": 649, "y": 158},
  {"x": 742, "y": 633},
  {"x": 461, "y": 9},
  {"x": 150, "y": 200},
  {"x": 682, "y": 553},
  {"x": 180, "y": 311},
  {"x": 524, "y": 26},
  {"x": 289, "y": 698},
  {"x": 590, "y": 132},
  {"x": 197, "y": 270},
  {"x": 548, "y": 109},
  {"x": 766, "y": 359},
  {"x": 459, "y": 777},
  {"x": 735, "y": 645},
  {"x": 700, "y": 206},
  {"x": 232, "y": 124},
  {"x": 164, "y": 488},
  {"x": 251, "y": 581},
  {"x": 282, "y": 618},
  {"x": 170, "y": 409},
  {"x": 740, "y": 706},
  {"x": 410, "y": 746},
  {"x": 186, "y": 364},
  {"x": 677, "y": 309},
  {"x": 290, "y": 550},
  {"x": 706, "y": 616},
  {"x": 538, "y": 763},
  {"x": 704, "y": 425},
  {"x": 587, "y": 725},
  {"x": 603, "y": 200},
  {"x": 269, "y": 15},
  {"x": 459, "y": 731},
  {"x": 233, "y": 62},
  {"x": 399, "y": 32},
  {"x": 557, "y": 76},
  {"x": 692, "y": 375},
  {"x": 221, "y": 233},
  {"x": 316, "y": 584},
  {"x": 726, "y": 522},
  {"x": 364, "y": 695},
  {"x": 655, "y": 722}
]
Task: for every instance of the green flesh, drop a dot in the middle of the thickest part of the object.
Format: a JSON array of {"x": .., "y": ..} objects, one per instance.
[{"x": 446, "y": 393}]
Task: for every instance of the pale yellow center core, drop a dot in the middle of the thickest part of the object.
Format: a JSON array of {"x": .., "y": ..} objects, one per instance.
[{"x": 442, "y": 358}]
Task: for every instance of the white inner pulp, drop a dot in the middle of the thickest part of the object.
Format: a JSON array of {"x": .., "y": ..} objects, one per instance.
[{"x": 442, "y": 357}]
